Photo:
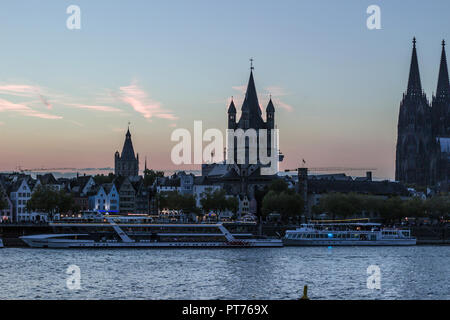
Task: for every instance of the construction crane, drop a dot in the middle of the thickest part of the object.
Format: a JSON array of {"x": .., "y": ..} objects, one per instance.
[{"x": 323, "y": 169}]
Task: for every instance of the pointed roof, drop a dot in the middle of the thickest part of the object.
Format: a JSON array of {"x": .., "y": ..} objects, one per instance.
[
  {"x": 232, "y": 108},
  {"x": 250, "y": 108},
  {"x": 128, "y": 150},
  {"x": 414, "y": 85},
  {"x": 443, "y": 85},
  {"x": 251, "y": 97},
  {"x": 270, "y": 107}
]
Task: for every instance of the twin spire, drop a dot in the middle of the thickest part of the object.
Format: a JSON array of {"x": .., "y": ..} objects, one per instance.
[
  {"x": 414, "y": 84},
  {"x": 443, "y": 86}
]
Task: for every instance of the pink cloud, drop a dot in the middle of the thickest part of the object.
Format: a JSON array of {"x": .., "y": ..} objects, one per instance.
[
  {"x": 285, "y": 106},
  {"x": 274, "y": 91},
  {"x": 19, "y": 90},
  {"x": 97, "y": 108},
  {"x": 141, "y": 103},
  {"x": 24, "y": 90},
  {"x": 25, "y": 110}
]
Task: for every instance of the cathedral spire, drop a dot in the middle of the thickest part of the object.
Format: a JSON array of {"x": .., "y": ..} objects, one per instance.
[
  {"x": 443, "y": 85},
  {"x": 414, "y": 85}
]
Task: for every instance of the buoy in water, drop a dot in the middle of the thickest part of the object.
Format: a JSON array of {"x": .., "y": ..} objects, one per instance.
[{"x": 305, "y": 293}]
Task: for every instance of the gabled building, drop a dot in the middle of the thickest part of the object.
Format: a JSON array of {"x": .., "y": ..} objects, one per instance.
[
  {"x": 127, "y": 194},
  {"x": 19, "y": 194},
  {"x": 97, "y": 199},
  {"x": 142, "y": 198},
  {"x": 112, "y": 197},
  {"x": 82, "y": 185}
]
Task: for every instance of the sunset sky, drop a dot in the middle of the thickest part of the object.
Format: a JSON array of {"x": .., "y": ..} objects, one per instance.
[{"x": 66, "y": 96}]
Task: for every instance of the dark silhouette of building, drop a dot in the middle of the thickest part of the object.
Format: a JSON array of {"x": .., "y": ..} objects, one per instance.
[
  {"x": 126, "y": 164},
  {"x": 440, "y": 111},
  {"x": 422, "y": 155}
]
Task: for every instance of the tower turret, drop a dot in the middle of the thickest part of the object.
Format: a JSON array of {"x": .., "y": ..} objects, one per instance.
[
  {"x": 270, "y": 115},
  {"x": 231, "y": 115}
]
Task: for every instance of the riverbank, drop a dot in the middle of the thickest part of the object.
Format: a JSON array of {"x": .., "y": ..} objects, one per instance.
[{"x": 426, "y": 235}]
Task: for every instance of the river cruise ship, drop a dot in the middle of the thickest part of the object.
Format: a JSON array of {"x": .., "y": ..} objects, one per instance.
[
  {"x": 347, "y": 234},
  {"x": 104, "y": 231}
]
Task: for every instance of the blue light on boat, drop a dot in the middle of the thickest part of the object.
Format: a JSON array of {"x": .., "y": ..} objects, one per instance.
[{"x": 330, "y": 235}]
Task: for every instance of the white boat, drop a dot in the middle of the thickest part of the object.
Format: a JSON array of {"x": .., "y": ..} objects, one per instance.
[
  {"x": 348, "y": 234},
  {"x": 109, "y": 234}
]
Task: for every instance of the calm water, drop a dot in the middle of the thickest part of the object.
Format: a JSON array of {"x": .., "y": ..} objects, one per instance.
[{"x": 420, "y": 272}]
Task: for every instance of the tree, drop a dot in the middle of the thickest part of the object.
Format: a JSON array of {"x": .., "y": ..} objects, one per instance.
[
  {"x": 346, "y": 205},
  {"x": 151, "y": 175},
  {"x": 101, "y": 178},
  {"x": 288, "y": 204},
  {"x": 218, "y": 201},
  {"x": 438, "y": 206},
  {"x": 49, "y": 201},
  {"x": 175, "y": 201},
  {"x": 278, "y": 186}
]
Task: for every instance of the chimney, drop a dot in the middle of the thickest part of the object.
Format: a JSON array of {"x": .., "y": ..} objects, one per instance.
[{"x": 369, "y": 175}]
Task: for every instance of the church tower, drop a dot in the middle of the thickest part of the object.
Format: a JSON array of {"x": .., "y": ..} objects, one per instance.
[
  {"x": 251, "y": 124},
  {"x": 126, "y": 164},
  {"x": 415, "y": 144}
]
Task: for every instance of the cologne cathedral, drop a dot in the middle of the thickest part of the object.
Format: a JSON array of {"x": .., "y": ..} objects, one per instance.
[{"x": 423, "y": 140}]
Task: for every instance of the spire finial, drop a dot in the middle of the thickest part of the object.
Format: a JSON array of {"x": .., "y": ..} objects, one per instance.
[
  {"x": 443, "y": 42},
  {"x": 251, "y": 64},
  {"x": 414, "y": 42}
]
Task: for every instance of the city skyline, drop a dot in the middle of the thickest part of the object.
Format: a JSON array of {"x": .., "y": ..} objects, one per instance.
[{"x": 66, "y": 97}]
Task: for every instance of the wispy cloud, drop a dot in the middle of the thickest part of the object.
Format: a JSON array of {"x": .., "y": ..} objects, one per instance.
[
  {"x": 25, "y": 110},
  {"x": 137, "y": 98},
  {"x": 25, "y": 90},
  {"x": 22, "y": 90},
  {"x": 274, "y": 91},
  {"x": 277, "y": 92},
  {"x": 78, "y": 124},
  {"x": 94, "y": 107}
]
